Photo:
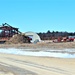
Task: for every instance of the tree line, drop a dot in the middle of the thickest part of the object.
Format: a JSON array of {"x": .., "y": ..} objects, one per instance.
[{"x": 54, "y": 34}]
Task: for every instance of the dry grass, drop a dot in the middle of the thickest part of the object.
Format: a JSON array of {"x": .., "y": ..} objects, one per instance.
[{"x": 41, "y": 45}]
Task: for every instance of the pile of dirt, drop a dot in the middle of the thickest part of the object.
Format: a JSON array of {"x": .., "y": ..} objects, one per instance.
[{"x": 18, "y": 38}]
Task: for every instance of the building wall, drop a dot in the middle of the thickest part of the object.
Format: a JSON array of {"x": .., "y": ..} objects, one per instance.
[{"x": 35, "y": 37}]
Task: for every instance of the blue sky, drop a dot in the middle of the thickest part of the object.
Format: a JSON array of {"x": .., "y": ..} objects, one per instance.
[{"x": 39, "y": 15}]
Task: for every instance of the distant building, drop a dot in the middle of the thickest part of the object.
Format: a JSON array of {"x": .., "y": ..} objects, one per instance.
[
  {"x": 7, "y": 31},
  {"x": 34, "y": 36}
]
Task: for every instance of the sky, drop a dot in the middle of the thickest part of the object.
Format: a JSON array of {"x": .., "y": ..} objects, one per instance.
[{"x": 39, "y": 15}]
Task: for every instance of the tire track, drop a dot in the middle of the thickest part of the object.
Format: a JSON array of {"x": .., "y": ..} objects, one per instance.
[
  {"x": 15, "y": 70},
  {"x": 53, "y": 69},
  {"x": 19, "y": 67}
]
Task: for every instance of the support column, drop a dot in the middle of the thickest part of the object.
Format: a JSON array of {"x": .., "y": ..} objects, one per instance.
[
  {"x": 9, "y": 33},
  {"x": 4, "y": 33}
]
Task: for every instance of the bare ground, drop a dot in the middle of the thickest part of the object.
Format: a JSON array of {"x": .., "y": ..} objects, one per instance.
[
  {"x": 25, "y": 65},
  {"x": 52, "y": 45}
]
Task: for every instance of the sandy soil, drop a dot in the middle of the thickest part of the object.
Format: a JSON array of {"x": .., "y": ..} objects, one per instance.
[{"x": 25, "y": 65}]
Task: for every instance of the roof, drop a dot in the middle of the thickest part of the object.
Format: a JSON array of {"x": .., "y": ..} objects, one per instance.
[
  {"x": 35, "y": 37},
  {"x": 7, "y": 27}
]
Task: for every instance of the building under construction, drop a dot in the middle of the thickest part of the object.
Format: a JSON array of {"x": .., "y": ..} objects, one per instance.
[{"x": 7, "y": 31}]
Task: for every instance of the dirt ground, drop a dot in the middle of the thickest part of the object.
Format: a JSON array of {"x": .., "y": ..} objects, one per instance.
[{"x": 26, "y": 65}]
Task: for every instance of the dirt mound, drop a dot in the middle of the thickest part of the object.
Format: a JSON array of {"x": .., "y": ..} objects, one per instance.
[{"x": 18, "y": 38}]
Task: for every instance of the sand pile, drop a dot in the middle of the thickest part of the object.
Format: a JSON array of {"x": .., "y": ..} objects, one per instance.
[{"x": 18, "y": 38}]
